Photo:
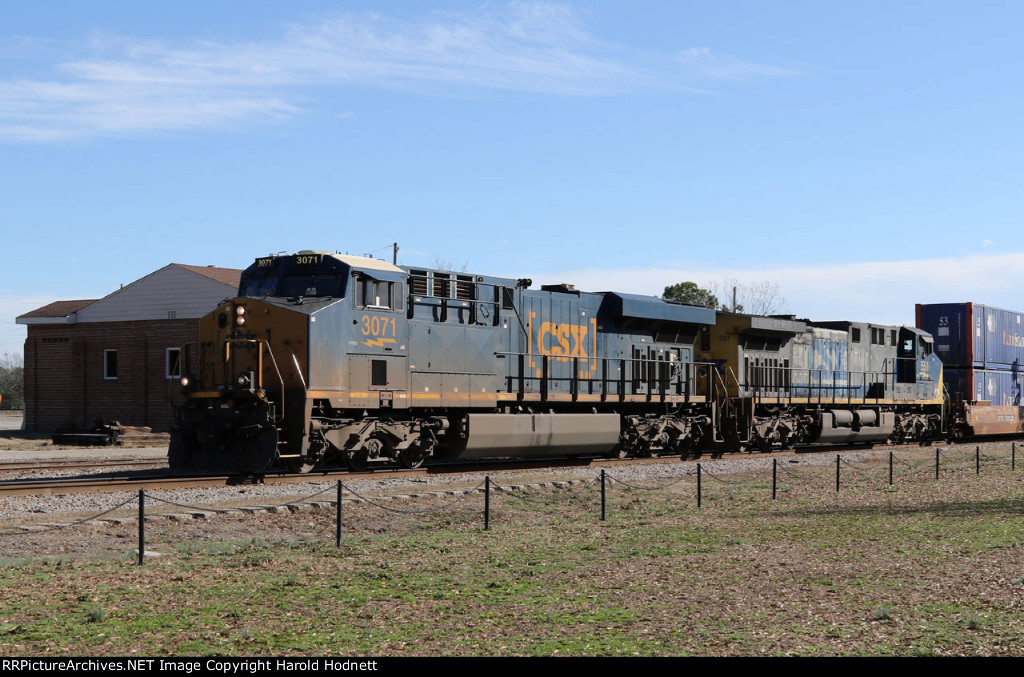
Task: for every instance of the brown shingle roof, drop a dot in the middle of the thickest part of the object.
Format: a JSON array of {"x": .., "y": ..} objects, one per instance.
[
  {"x": 59, "y": 308},
  {"x": 228, "y": 276}
]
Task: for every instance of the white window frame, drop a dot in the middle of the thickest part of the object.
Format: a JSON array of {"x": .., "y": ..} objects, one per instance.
[
  {"x": 106, "y": 364},
  {"x": 167, "y": 363}
]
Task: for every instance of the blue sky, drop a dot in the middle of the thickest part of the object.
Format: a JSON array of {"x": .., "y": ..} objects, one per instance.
[{"x": 864, "y": 156}]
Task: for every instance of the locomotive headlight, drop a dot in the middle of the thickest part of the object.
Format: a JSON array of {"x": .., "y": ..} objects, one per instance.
[
  {"x": 239, "y": 310},
  {"x": 240, "y": 320},
  {"x": 240, "y": 315},
  {"x": 184, "y": 381}
]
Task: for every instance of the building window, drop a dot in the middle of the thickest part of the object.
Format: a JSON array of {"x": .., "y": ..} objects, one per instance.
[
  {"x": 173, "y": 363},
  {"x": 110, "y": 364}
]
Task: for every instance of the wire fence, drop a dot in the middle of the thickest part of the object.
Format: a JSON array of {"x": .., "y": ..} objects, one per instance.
[{"x": 945, "y": 462}]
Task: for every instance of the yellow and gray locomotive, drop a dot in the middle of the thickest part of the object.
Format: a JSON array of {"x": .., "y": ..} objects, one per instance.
[
  {"x": 790, "y": 381},
  {"x": 325, "y": 356}
]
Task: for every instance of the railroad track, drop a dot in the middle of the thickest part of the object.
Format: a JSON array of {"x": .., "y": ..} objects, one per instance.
[
  {"x": 112, "y": 483},
  {"x": 22, "y": 466},
  {"x": 124, "y": 482}
]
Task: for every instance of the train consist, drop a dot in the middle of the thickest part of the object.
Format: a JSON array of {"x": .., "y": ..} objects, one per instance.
[{"x": 325, "y": 357}]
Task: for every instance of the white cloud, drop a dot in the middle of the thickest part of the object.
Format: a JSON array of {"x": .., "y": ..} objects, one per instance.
[
  {"x": 701, "y": 61},
  {"x": 121, "y": 85},
  {"x": 878, "y": 291}
]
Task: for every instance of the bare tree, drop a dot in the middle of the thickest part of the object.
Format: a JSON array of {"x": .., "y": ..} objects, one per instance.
[
  {"x": 756, "y": 298},
  {"x": 442, "y": 264},
  {"x": 11, "y": 381}
]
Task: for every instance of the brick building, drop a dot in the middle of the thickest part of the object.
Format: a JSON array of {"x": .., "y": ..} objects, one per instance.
[{"x": 118, "y": 357}]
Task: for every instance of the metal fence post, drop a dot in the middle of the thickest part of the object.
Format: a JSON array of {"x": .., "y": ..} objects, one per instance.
[
  {"x": 337, "y": 534},
  {"x": 487, "y": 502},
  {"x": 775, "y": 466},
  {"x": 698, "y": 485},
  {"x": 142, "y": 527},
  {"x": 890, "y": 468},
  {"x": 837, "y": 473},
  {"x": 602, "y": 496},
  {"x": 937, "y": 463},
  {"x": 977, "y": 460}
]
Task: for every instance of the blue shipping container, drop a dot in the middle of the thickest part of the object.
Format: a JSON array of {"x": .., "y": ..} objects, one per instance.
[
  {"x": 1000, "y": 387},
  {"x": 974, "y": 335}
]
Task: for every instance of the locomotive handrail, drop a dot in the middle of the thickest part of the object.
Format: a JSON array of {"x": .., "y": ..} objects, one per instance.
[
  {"x": 260, "y": 343},
  {"x": 825, "y": 386},
  {"x": 658, "y": 384}
]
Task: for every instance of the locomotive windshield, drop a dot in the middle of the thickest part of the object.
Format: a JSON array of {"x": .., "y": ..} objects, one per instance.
[
  {"x": 312, "y": 285},
  {"x": 307, "y": 275}
]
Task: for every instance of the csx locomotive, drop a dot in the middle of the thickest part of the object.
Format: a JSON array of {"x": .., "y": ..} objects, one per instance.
[{"x": 332, "y": 357}]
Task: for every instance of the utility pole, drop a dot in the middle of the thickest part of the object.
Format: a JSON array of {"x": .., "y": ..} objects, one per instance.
[{"x": 394, "y": 254}]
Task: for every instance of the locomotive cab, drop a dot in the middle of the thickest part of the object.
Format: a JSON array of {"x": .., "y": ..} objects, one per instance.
[{"x": 264, "y": 356}]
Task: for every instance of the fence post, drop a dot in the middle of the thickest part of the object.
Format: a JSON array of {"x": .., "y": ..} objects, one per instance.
[
  {"x": 698, "y": 485},
  {"x": 337, "y": 534},
  {"x": 487, "y": 502},
  {"x": 837, "y": 473},
  {"x": 142, "y": 527},
  {"x": 775, "y": 466},
  {"x": 602, "y": 496},
  {"x": 1013, "y": 456},
  {"x": 890, "y": 468},
  {"x": 977, "y": 460},
  {"x": 937, "y": 463}
]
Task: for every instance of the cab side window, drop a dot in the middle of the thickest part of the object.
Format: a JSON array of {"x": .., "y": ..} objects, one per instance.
[{"x": 379, "y": 294}]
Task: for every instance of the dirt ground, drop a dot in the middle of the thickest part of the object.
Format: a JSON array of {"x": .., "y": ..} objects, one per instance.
[
  {"x": 10, "y": 420},
  {"x": 17, "y": 444}
]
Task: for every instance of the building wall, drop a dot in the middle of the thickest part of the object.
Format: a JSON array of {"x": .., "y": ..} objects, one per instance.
[{"x": 65, "y": 388}]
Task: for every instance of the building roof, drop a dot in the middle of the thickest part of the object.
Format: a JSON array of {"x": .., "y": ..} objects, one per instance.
[
  {"x": 57, "y": 309},
  {"x": 229, "y": 276},
  {"x": 176, "y": 291}
]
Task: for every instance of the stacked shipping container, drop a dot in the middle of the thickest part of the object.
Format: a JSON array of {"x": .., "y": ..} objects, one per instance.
[{"x": 981, "y": 348}]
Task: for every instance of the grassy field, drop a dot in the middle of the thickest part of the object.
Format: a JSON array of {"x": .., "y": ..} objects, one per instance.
[{"x": 923, "y": 568}]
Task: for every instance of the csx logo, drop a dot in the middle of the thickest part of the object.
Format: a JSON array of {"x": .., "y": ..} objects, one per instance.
[{"x": 564, "y": 341}]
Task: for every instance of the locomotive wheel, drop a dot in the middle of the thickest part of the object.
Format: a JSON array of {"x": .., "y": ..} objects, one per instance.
[
  {"x": 357, "y": 460},
  {"x": 412, "y": 457}
]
